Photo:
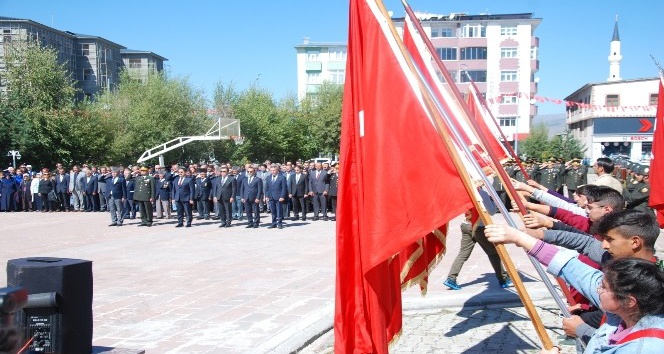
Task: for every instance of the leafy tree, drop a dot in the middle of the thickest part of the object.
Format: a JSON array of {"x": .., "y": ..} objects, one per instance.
[
  {"x": 567, "y": 146},
  {"x": 151, "y": 111},
  {"x": 37, "y": 103},
  {"x": 323, "y": 112},
  {"x": 537, "y": 143}
]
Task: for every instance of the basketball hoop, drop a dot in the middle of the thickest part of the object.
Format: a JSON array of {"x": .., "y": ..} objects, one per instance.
[{"x": 239, "y": 140}]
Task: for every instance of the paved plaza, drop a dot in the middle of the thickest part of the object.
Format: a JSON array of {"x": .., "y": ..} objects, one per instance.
[{"x": 238, "y": 290}]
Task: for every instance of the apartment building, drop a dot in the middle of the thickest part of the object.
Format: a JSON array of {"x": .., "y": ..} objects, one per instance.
[
  {"x": 498, "y": 52},
  {"x": 93, "y": 61}
]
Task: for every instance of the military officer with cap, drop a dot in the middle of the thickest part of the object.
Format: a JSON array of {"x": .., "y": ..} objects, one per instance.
[
  {"x": 549, "y": 175},
  {"x": 575, "y": 175},
  {"x": 144, "y": 194},
  {"x": 638, "y": 193}
]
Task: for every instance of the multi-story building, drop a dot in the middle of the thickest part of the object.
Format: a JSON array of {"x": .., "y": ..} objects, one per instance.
[
  {"x": 142, "y": 62},
  {"x": 93, "y": 62},
  {"x": 616, "y": 117},
  {"x": 498, "y": 52},
  {"x": 98, "y": 63},
  {"x": 318, "y": 63}
]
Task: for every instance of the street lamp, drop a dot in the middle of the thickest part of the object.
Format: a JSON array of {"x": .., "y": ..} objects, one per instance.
[{"x": 15, "y": 155}]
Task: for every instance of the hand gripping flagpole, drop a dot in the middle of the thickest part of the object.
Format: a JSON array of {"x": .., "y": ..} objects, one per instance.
[
  {"x": 563, "y": 286},
  {"x": 438, "y": 115},
  {"x": 497, "y": 166}
]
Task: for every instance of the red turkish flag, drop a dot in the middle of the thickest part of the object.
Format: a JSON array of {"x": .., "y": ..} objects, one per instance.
[
  {"x": 382, "y": 212},
  {"x": 657, "y": 163}
]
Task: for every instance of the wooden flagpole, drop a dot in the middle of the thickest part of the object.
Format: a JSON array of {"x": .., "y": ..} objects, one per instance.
[
  {"x": 493, "y": 119},
  {"x": 440, "y": 124},
  {"x": 495, "y": 161},
  {"x": 497, "y": 167}
]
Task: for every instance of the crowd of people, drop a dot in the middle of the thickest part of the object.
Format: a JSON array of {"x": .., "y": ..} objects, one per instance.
[
  {"x": 289, "y": 191},
  {"x": 602, "y": 244}
]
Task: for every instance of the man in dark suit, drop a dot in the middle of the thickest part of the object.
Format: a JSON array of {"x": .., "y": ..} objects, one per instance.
[
  {"x": 90, "y": 191},
  {"x": 163, "y": 202},
  {"x": 129, "y": 210},
  {"x": 237, "y": 205},
  {"x": 202, "y": 194},
  {"x": 275, "y": 195},
  {"x": 299, "y": 186},
  {"x": 251, "y": 192},
  {"x": 115, "y": 194},
  {"x": 318, "y": 190},
  {"x": 183, "y": 195},
  {"x": 224, "y": 191},
  {"x": 62, "y": 188},
  {"x": 288, "y": 174}
]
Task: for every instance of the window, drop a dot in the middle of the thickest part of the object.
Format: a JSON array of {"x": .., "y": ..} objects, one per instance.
[
  {"x": 453, "y": 75},
  {"x": 509, "y": 100},
  {"x": 312, "y": 55},
  {"x": 533, "y": 53},
  {"x": 337, "y": 76},
  {"x": 507, "y": 121},
  {"x": 85, "y": 49},
  {"x": 508, "y": 75},
  {"x": 437, "y": 32},
  {"x": 313, "y": 78},
  {"x": 508, "y": 52},
  {"x": 612, "y": 100},
  {"x": 88, "y": 75},
  {"x": 338, "y": 54},
  {"x": 653, "y": 99},
  {"x": 473, "y": 31},
  {"x": 134, "y": 63},
  {"x": 475, "y": 75},
  {"x": 508, "y": 30},
  {"x": 473, "y": 53},
  {"x": 447, "y": 53}
]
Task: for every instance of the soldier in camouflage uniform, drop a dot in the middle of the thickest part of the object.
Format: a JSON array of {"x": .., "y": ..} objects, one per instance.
[
  {"x": 575, "y": 175},
  {"x": 638, "y": 192}
]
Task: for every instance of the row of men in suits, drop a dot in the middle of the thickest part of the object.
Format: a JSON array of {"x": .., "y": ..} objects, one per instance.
[
  {"x": 228, "y": 193},
  {"x": 225, "y": 189}
]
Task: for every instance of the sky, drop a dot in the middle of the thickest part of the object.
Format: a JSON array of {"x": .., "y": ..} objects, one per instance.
[{"x": 245, "y": 43}]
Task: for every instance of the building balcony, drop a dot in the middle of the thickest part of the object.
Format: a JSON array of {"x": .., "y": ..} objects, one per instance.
[
  {"x": 534, "y": 65},
  {"x": 534, "y": 42},
  {"x": 313, "y": 66}
]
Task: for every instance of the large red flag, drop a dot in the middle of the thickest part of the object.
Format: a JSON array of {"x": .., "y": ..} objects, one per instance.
[
  {"x": 399, "y": 183},
  {"x": 657, "y": 163}
]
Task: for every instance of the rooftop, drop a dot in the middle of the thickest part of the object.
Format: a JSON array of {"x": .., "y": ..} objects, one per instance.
[{"x": 137, "y": 51}]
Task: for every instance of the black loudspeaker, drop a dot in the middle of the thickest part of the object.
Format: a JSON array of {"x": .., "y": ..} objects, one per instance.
[{"x": 58, "y": 315}]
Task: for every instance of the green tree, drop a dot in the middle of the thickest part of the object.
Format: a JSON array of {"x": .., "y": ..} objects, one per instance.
[
  {"x": 565, "y": 145},
  {"x": 150, "y": 111},
  {"x": 37, "y": 104},
  {"x": 539, "y": 146},
  {"x": 537, "y": 143},
  {"x": 323, "y": 113}
]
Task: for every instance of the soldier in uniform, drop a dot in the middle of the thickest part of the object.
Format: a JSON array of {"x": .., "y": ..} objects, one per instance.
[
  {"x": 575, "y": 175},
  {"x": 638, "y": 192},
  {"x": 533, "y": 169},
  {"x": 549, "y": 176},
  {"x": 144, "y": 194}
]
